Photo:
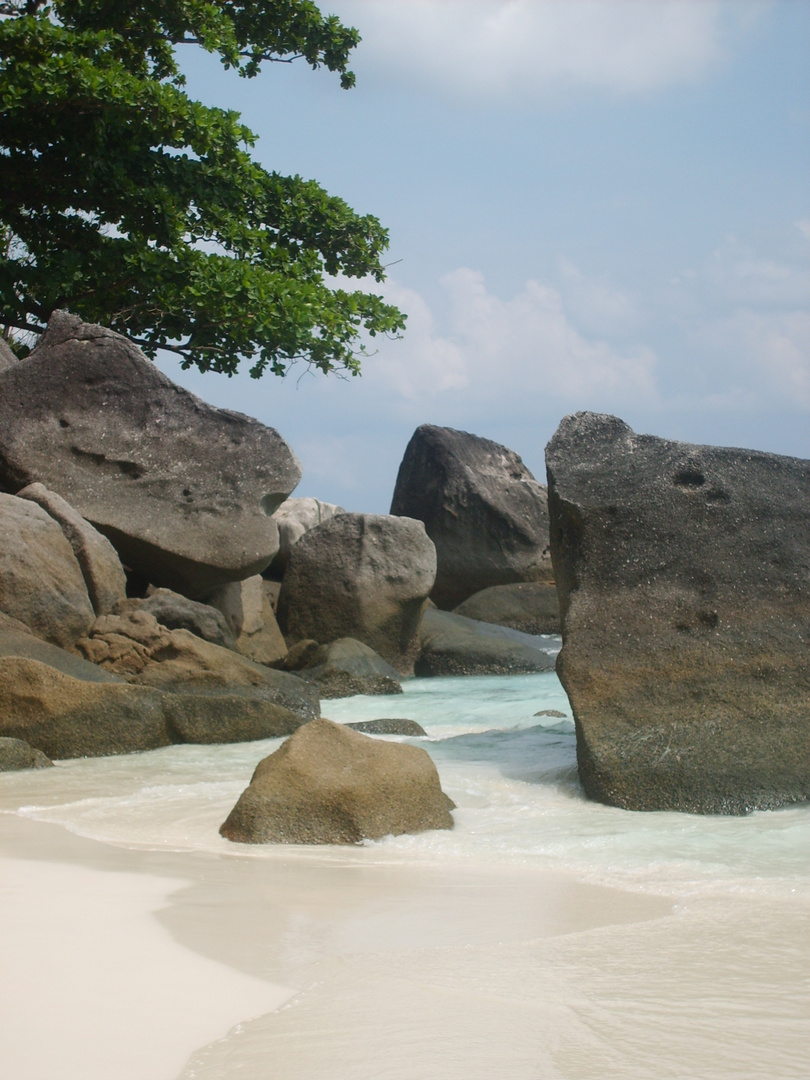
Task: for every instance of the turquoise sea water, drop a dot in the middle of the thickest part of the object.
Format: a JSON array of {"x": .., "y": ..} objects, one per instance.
[
  {"x": 511, "y": 773},
  {"x": 490, "y": 949}
]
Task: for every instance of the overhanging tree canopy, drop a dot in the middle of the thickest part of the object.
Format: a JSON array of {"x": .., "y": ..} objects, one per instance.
[{"x": 128, "y": 203}]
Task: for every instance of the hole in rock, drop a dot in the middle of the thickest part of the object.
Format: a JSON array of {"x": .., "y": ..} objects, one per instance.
[{"x": 689, "y": 478}]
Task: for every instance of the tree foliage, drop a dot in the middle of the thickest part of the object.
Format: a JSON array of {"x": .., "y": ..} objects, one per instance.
[{"x": 130, "y": 204}]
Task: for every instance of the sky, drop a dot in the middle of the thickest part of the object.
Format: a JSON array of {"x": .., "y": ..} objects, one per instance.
[{"x": 592, "y": 204}]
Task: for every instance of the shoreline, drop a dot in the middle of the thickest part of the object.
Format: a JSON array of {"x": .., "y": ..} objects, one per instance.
[
  {"x": 324, "y": 964},
  {"x": 228, "y": 939}
]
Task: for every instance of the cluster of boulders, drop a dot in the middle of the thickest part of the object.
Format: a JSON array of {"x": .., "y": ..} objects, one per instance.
[{"x": 159, "y": 585}]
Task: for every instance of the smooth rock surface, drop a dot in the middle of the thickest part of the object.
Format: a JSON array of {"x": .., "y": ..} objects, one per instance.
[
  {"x": 247, "y": 607},
  {"x": 482, "y": 508},
  {"x": 294, "y": 518},
  {"x": 454, "y": 645},
  {"x": 16, "y": 754},
  {"x": 684, "y": 577},
  {"x": 67, "y": 718},
  {"x": 41, "y": 583},
  {"x": 347, "y": 667},
  {"x": 330, "y": 785},
  {"x": 103, "y": 573},
  {"x": 183, "y": 490},
  {"x": 529, "y": 606},
  {"x": 364, "y": 576}
]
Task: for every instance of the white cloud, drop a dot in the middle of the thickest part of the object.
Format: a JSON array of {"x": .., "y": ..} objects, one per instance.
[
  {"x": 804, "y": 227},
  {"x": 765, "y": 357},
  {"x": 745, "y": 321},
  {"x": 507, "y": 355},
  {"x": 524, "y": 50}
]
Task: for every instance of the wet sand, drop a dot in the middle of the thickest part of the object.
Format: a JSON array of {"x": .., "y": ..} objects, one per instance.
[{"x": 123, "y": 962}]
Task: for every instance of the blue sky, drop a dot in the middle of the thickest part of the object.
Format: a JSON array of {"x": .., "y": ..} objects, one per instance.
[{"x": 592, "y": 205}]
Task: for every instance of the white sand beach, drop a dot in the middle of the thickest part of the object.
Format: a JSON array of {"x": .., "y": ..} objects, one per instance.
[{"x": 544, "y": 937}]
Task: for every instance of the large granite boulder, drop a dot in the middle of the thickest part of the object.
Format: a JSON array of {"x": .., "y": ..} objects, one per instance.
[
  {"x": 329, "y": 785},
  {"x": 529, "y": 606},
  {"x": 103, "y": 573},
  {"x": 364, "y": 576},
  {"x": 183, "y": 490},
  {"x": 41, "y": 583},
  {"x": 482, "y": 508},
  {"x": 347, "y": 667},
  {"x": 295, "y": 517},
  {"x": 454, "y": 645},
  {"x": 684, "y": 581},
  {"x": 67, "y": 718}
]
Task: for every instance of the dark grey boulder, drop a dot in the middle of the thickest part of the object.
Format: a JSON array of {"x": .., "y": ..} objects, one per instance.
[
  {"x": 17, "y": 640},
  {"x": 389, "y": 726},
  {"x": 684, "y": 577},
  {"x": 41, "y": 583},
  {"x": 454, "y": 645},
  {"x": 102, "y": 570},
  {"x": 329, "y": 785},
  {"x": 17, "y": 754},
  {"x": 364, "y": 576},
  {"x": 347, "y": 667},
  {"x": 481, "y": 507},
  {"x": 529, "y": 606},
  {"x": 184, "y": 491},
  {"x": 177, "y": 612}
]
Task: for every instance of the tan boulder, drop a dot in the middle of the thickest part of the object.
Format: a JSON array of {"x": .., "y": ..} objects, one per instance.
[
  {"x": 17, "y": 754},
  {"x": 41, "y": 583},
  {"x": 248, "y": 608},
  {"x": 103, "y": 573},
  {"x": 67, "y": 718},
  {"x": 329, "y": 785}
]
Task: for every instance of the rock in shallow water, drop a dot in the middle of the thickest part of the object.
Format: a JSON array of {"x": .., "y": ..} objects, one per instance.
[
  {"x": 16, "y": 754},
  {"x": 454, "y": 645},
  {"x": 529, "y": 606},
  {"x": 329, "y": 785},
  {"x": 684, "y": 576},
  {"x": 389, "y": 726},
  {"x": 347, "y": 667}
]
